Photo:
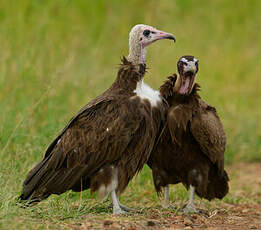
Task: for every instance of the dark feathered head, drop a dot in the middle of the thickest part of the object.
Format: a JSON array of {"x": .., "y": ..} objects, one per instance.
[{"x": 187, "y": 69}]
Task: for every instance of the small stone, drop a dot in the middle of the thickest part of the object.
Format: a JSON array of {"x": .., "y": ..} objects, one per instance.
[
  {"x": 150, "y": 223},
  {"x": 245, "y": 210},
  {"x": 187, "y": 222},
  {"x": 176, "y": 226},
  {"x": 116, "y": 226},
  {"x": 179, "y": 218},
  {"x": 107, "y": 222}
]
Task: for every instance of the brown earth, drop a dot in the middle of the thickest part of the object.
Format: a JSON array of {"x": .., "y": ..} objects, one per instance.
[{"x": 241, "y": 209}]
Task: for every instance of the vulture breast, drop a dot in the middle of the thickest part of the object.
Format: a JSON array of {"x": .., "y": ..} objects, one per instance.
[{"x": 145, "y": 92}]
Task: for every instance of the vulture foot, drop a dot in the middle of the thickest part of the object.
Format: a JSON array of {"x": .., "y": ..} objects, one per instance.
[
  {"x": 118, "y": 211},
  {"x": 127, "y": 209},
  {"x": 190, "y": 208},
  {"x": 116, "y": 206},
  {"x": 124, "y": 208},
  {"x": 164, "y": 205}
]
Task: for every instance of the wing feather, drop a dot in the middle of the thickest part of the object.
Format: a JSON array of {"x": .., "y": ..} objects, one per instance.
[
  {"x": 96, "y": 136},
  {"x": 208, "y": 131},
  {"x": 99, "y": 134},
  {"x": 178, "y": 118}
]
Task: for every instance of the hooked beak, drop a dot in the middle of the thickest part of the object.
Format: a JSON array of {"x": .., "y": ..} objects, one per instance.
[
  {"x": 163, "y": 35},
  {"x": 158, "y": 35}
]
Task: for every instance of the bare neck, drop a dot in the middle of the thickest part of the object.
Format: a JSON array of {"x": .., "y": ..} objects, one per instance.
[{"x": 137, "y": 54}]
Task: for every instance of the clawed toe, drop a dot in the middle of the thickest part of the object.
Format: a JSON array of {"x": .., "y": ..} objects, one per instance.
[
  {"x": 165, "y": 205},
  {"x": 123, "y": 209},
  {"x": 119, "y": 211},
  {"x": 190, "y": 209},
  {"x": 127, "y": 209}
]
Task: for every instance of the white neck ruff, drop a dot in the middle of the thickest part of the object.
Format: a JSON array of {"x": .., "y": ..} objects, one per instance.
[{"x": 146, "y": 92}]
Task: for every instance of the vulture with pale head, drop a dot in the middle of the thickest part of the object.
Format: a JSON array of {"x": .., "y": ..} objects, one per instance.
[
  {"x": 191, "y": 146},
  {"x": 110, "y": 139}
]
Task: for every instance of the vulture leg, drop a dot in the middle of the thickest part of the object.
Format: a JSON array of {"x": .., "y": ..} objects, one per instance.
[
  {"x": 166, "y": 197},
  {"x": 190, "y": 207},
  {"x": 124, "y": 208},
  {"x": 116, "y": 204}
]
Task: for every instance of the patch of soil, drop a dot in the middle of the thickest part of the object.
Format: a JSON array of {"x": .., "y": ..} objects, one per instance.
[{"x": 245, "y": 183}]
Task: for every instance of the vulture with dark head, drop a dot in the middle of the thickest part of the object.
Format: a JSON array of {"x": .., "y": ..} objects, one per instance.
[
  {"x": 192, "y": 143},
  {"x": 110, "y": 139}
]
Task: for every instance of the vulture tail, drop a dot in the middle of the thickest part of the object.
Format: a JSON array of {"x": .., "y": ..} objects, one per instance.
[
  {"x": 33, "y": 181},
  {"x": 44, "y": 180},
  {"x": 217, "y": 186}
]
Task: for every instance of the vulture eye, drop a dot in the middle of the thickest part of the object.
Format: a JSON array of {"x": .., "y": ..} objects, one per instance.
[{"x": 146, "y": 33}]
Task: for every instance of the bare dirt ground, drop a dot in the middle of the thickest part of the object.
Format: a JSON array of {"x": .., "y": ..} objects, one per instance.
[{"x": 241, "y": 209}]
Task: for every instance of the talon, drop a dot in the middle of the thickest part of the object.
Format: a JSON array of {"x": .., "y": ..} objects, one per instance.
[
  {"x": 127, "y": 209},
  {"x": 190, "y": 208},
  {"x": 165, "y": 206},
  {"x": 118, "y": 211}
]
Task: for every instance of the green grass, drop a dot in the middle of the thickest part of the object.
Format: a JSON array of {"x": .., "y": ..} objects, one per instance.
[{"x": 58, "y": 55}]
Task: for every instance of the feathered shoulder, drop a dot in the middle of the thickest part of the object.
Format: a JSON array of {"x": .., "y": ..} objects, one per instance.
[
  {"x": 127, "y": 65},
  {"x": 166, "y": 90}
]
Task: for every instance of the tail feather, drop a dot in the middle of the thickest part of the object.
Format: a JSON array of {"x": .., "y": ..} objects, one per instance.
[
  {"x": 42, "y": 181},
  {"x": 217, "y": 186},
  {"x": 33, "y": 179}
]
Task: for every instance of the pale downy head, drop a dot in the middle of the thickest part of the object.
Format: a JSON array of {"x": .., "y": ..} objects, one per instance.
[
  {"x": 187, "y": 69},
  {"x": 140, "y": 37}
]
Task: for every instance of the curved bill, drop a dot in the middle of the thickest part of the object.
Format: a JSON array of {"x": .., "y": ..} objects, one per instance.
[{"x": 158, "y": 34}]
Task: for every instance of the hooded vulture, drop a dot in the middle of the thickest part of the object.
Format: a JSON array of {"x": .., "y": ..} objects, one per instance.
[
  {"x": 110, "y": 139},
  {"x": 191, "y": 146}
]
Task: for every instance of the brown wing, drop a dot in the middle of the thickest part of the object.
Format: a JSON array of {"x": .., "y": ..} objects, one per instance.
[
  {"x": 178, "y": 118},
  {"x": 98, "y": 135},
  {"x": 90, "y": 106},
  {"x": 208, "y": 131}
]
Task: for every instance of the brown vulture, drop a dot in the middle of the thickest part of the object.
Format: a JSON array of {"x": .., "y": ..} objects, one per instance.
[
  {"x": 191, "y": 146},
  {"x": 110, "y": 139}
]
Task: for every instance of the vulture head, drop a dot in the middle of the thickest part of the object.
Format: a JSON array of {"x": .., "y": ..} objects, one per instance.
[
  {"x": 140, "y": 37},
  {"x": 187, "y": 69}
]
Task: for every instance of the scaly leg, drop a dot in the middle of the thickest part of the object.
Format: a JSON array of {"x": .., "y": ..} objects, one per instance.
[
  {"x": 190, "y": 207},
  {"x": 116, "y": 204},
  {"x": 123, "y": 207},
  {"x": 166, "y": 197}
]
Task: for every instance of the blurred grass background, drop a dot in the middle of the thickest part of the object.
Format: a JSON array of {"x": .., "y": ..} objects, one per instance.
[{"x": 58, "y": 55}]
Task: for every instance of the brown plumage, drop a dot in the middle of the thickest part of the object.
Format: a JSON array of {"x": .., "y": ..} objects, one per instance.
[
  {"x": 116, "y": 131},
  {"x": 191, "y": 146},
  {"x": 106, "y": 143}
]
